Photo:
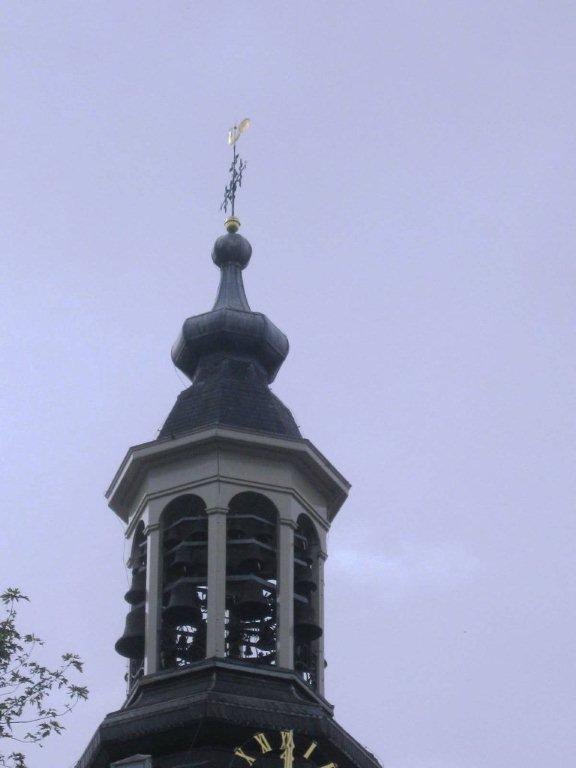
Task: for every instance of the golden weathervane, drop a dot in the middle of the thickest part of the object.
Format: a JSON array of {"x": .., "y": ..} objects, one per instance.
[{"x": 236, "y": 170}]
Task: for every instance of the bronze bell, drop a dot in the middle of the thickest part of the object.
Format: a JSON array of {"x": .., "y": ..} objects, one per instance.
[
  {"x": 183, "y": 608},
  {"x": 235, "y": 638},
  {"x": 303, "y": 567},
  {"x": 178, "y": 528},
  {"x": 200, "y": 568},
  {"x": 244, "y": 560},
  {"x": 268, "y": 658},
  {"x": 250, "y": 565},
  {"x": 200, "y": 535},
  {"x": 257, "y": 527},
  {"x": 137, "y": 592},
  {"x": 267, "y": 637},
  {"x": 251, "y": 527},
  {"x": 253, "y": 558},
  {"x": 305, "y": 587},
  {"x": 252, "y": 604},
  {"x": 171, "y": 539},
  {"x": 200, "y": 639},
  {"x": 131, "y": 644},
  {"x": 268, "y": 560},
  {"x": 189, "y": 526},
  {"x": 183, "y": 556},
  {"x": 236, "y": 529},
  {"x": 305, "y": 627},
  {"x": 181, "y": 649}
]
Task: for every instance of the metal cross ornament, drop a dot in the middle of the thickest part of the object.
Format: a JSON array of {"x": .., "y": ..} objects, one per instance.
[{"x": 236, "y": 168}]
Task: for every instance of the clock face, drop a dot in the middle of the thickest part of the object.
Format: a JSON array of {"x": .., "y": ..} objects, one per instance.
[{"x": 280, "y": 749}]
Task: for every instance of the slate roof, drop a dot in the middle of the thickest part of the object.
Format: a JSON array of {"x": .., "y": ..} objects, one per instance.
[{"x": 232, "y": 393}]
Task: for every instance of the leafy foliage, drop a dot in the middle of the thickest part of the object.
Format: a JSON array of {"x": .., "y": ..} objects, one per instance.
[{"x": 33, "y": 698}]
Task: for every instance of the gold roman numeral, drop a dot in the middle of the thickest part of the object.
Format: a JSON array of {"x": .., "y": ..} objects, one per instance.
[
  {"x": 329, "y": 765},
  {"x": 310, "y": 749},
  {"x": 287, "y": 748},
  {"x": 263, "y": 742},
  {"x": 240, "y": 753}
]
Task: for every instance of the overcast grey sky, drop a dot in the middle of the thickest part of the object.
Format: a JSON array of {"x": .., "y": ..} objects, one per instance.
[{"x": 410, "y": 200}]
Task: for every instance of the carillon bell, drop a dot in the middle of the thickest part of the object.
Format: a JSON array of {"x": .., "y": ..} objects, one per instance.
[
  {"x": 183, "y": 556},
  {"x": 235, "y": 638},
  {"x": 303, "y": 567},
  {"x": 183, "y": 608},
  {"x": 301, "y": 666},
  {"x": 313, "y": 551},
  {"x": 131, "y": 644},
  {"x": 267, "y": 658},
  {"x": 250, "y": 565},
  {"x": 305, "y": 627},
  {"x": 137, "y": 592},
  {"x": 305, "y": 587},
  {"x": 200, "y": 568},
  {"x": 267, "y": 637},
  {"x": 200, "y": 535},
  {"x": 139, "y": 558},
  {"x": 245, "y": 560},
  {"x": 252, "y": 604},
  {"x": 251, "y": 527},
  {"x": 188, "y": 527},
  {"x": 171, "y": 538},
  {"x": 198, "y": 647},
  {"x": 236, "y": 532}
]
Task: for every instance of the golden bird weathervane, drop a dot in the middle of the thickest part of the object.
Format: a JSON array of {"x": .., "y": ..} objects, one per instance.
[{"x": 236, "y": 170}]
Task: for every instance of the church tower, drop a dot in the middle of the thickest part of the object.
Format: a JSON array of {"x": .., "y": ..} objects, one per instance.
[{"x": 227, "y": 514}]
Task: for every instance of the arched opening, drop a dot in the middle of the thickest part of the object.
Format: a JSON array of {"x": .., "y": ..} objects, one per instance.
[
  {"x": 185, "y": 567},
  {"x": 307, "y": 629},
  {"x": 251, "y": 579},
  {"x": 131, "y": 644}
]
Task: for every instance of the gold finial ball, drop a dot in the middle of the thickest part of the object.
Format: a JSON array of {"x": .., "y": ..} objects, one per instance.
[{"x": 232, "y": 224}]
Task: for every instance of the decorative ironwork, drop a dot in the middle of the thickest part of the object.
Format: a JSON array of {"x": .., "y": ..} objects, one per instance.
[{"x": 237, "y": 168}]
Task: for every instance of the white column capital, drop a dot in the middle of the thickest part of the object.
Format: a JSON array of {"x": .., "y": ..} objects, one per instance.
[
  {"x": 290, "y": 523},
  {"x": 216, "y": 511},
  {"x": 150, "y": 528}
]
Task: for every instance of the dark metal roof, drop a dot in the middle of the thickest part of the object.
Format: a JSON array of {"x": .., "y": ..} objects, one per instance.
[
  {"x": 231, "y": 355},
  {"x": 214, "y": 707},
  {"x": 233, "y": 393}
]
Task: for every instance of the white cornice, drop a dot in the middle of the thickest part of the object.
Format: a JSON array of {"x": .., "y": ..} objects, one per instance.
[{"x": 303, "y": 453}]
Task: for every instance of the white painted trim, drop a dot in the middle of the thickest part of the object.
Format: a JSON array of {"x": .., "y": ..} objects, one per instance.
[
  {"x": 285, "y": 604},
  {"x": 302, "y": 452}
]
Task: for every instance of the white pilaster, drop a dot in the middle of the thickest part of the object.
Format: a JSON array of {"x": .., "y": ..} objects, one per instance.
[
  {"x": 215, "y": 639},
  {"x": 153, "y": 597},
  {"x": 320, "y": 613},
  {"x": 285, "y": 598}
]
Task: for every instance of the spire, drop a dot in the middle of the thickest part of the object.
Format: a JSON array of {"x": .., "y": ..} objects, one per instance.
[
  {"x": 230, "y": 354},
  {"x": 231, "y": 328}
]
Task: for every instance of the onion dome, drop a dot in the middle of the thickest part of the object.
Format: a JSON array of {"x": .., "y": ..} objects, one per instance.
[{"x": 231, "y": 355}]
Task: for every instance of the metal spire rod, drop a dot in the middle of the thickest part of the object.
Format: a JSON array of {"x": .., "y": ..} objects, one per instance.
[{"x": 236, "y": 170}]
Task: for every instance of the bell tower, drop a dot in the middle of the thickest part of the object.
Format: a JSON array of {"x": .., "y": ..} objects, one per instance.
[{"x": 227, "y": 514}]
